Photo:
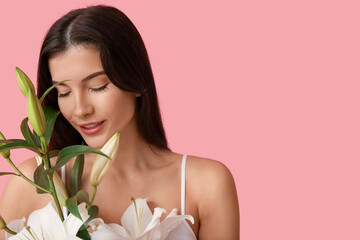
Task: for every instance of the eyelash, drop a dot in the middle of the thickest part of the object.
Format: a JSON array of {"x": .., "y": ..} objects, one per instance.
[
  {"x": 100, "y": 88},
  {"x": 61, "y": 95}
]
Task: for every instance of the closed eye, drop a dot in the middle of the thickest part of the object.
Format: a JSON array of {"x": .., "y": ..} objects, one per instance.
[
  {"x": 60, "y": 95},
  {"x": 100, "y": 88}
]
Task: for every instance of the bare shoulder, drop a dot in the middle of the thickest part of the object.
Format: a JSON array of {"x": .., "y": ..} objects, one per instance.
[
  {"x": 16, "y": 183},
  {"x": 212, "y": 187},
  {"x": 201, "y": 164},
  {"x": 205, "y": 173},
  {"x": 28, "y": 166},
  {"x": 19, "y": 197}
]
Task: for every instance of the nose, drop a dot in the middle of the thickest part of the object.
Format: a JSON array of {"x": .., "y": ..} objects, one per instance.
[{"x": 83, "y": 106}]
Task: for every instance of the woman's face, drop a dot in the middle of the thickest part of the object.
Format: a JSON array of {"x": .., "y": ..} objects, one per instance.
[{"x": 92, "y": 104}]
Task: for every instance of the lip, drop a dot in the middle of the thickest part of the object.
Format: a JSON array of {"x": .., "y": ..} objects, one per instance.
[{"x": 91, "y": 127}]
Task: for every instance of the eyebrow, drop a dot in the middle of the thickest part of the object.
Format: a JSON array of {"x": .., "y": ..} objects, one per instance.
[{"x": 95, "y": 74}]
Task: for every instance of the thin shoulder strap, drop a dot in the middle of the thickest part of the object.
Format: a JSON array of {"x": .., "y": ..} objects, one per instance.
[
  {"x": 63, "y": 174},
  {"x": 183, "y": 164}
]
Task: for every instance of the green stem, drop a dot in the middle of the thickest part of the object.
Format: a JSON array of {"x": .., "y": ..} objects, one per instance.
[
  {"x": 45, "y": 149},
  {"x": 47, "y": 165},
  {"x": 26, "y": 178},
  {"x": 10, "y": 231},
  {"x": 93, "y": 196}
]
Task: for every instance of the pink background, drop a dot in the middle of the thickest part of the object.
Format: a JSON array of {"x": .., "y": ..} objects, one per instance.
[{"x": 269, "y": 88}]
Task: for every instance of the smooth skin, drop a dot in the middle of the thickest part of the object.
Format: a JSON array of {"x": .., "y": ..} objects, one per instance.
[{"x": 140, "y": 170}]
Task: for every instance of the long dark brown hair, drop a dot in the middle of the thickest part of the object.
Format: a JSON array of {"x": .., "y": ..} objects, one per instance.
[{"x": 124, "y": 59}]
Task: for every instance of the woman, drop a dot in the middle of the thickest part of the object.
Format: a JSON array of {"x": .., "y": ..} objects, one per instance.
[{"x": 111, "y": 89}]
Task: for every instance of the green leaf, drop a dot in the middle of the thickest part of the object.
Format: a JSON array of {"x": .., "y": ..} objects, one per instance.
[
  {"x": 49, "y": 89},
  {"x": 8, "y": 173},
  {"x": 50, "y": 117},
  {"x": 76, "y": 174},
  {"x": 41, "y": 178},
  {"x": 72, "y": 206},
  {"x": 29, "y": 137},
  {"x": 54, "y": 153},
  {"x": 18, "y": 144},
  {"x": 37, "y": 137},
  {"x": 83, "y": 234},
  {"x": 72, "y": 151},
  {"x": 11, "y": 140},
  {"x": 83, "y": 196},
  {"x": 93, "y": 212}
]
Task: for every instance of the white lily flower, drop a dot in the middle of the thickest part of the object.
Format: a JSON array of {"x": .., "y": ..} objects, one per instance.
[
  {"x": 46, "y": 224},
  {"x": 138, "y": 223},
  {"x": 16, "y": 226},
  {"x": 101, "y": 163}
]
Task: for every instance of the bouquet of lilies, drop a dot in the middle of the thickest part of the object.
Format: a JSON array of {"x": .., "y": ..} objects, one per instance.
[{"x": 51, "y": 222}]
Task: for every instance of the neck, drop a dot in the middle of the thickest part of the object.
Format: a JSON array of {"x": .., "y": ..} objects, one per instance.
[{"x": 135, "y": 154}]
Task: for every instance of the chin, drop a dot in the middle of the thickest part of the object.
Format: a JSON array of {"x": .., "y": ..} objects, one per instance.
[{"x": 94, "y": 143}]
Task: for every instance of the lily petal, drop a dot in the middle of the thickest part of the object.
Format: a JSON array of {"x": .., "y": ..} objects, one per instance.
[
  {"x": 155, "y": 218},
  {"x": 73, "y": 238},
  {"x": 16, "y": 226},
  {"x": 95, "y": 223},
  {"x": 154, "y": 233},
  {"x": 172, "y": 221},
  {"x": 72, "y": 223},
  {"x": 83, "y": 212},
  {"x": 24, "y": 234},
  {"x": 119, "y": 230},
  {"x": 46, "y": 222},
  {"x": 130, "y": 222},
  {"x": 173, "y": 213},
  {"x": 109, "y": 232}
]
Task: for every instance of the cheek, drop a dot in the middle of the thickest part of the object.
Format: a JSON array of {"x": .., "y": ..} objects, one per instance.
[
  {"x": 121, "y": 107},
  {"x": 64, "y": 109}
]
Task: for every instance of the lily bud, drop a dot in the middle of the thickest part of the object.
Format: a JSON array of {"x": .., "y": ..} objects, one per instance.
[
  {"x": 101, "y": 163},
  {"x": 35, "y": 113},
  {"x": 38, "y": 160},
  {"x": 5, "y": 154},
  {"x": 2, "y": 223},
  {"x": 24, "y": 82},
  {"x": 60, "y": 189},
  {"x": 59, "y": 184}
]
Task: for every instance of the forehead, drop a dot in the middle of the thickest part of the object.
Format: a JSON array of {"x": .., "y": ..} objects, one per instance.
[{"x": 75, "y": 63}]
